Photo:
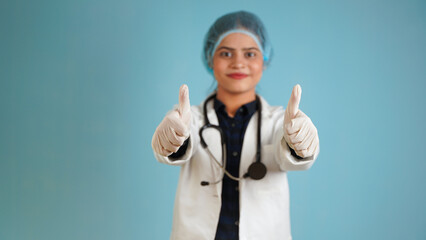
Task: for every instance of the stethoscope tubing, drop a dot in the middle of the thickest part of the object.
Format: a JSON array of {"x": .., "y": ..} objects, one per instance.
[{"x": 257, "y": 169}]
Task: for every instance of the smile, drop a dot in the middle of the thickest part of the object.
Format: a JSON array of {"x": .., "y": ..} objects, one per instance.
[{"x": 237, "y": 75}]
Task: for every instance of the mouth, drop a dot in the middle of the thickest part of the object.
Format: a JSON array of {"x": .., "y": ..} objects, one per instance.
[{"x": 237, "y": 75}]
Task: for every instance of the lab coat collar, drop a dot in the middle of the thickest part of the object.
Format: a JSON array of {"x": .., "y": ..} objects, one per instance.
[{"x": 266, "y": 109}]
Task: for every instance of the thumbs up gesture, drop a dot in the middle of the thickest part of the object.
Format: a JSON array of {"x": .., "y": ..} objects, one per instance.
[
  {"x": 299, "y": 131},
  {"x": 175, "y": 127}
]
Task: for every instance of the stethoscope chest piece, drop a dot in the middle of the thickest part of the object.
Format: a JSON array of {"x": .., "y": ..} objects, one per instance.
[{"x": 257, "y": 170}]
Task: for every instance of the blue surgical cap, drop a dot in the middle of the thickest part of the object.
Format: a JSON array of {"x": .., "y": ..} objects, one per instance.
[{"x": 242, "y": 22}]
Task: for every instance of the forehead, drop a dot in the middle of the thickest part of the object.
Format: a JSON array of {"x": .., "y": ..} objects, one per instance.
[{"x": 238, "y": 40}]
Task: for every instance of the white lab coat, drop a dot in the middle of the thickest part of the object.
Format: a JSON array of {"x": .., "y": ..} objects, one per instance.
[{"x": 264, "y": 204}]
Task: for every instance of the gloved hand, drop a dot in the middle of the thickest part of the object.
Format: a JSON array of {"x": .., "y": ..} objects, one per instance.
[
  {"x": 175, "y": 127},
  {"x": 299, "y": 131}
]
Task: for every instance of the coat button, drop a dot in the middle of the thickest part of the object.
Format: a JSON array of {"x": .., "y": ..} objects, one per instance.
[
  {"x": 237, "y": 223},
  {"x": 235, "y": 154},
  {"x": 233, "y": 125}
]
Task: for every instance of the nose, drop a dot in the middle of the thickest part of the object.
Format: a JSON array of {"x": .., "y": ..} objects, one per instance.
[{"x": 238, "y": 61}]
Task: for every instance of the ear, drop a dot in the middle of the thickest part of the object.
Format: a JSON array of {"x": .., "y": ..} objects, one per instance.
[{"x": 210, "y": 68}]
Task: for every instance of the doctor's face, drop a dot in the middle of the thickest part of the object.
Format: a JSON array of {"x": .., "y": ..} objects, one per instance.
[{"x": 237, "y": 64}]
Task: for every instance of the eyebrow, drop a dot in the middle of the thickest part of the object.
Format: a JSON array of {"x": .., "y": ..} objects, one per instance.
[{"x": 233, "y": 49}]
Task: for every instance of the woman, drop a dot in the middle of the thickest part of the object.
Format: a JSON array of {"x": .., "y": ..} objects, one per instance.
[{"x": 242, "y": 191}]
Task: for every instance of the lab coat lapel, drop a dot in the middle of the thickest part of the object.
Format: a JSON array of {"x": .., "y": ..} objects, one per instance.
[
  {"x": 212, "y": 136},
  {"x": 213, "y": 140}
]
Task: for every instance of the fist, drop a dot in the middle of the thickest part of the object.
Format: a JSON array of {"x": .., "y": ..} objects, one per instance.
[
  {"x": 175, "y": 127},
  {"x": 299, "y": 131}
]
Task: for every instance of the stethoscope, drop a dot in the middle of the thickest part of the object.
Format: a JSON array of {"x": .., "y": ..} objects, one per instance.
[{"x": 256, "y": 170}]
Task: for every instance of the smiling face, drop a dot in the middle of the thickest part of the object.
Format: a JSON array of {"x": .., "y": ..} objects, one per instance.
[{"x": 237, "y": 65}]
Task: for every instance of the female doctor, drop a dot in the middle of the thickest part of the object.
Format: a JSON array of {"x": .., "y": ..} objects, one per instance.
[{"x": 235, "y": 149}]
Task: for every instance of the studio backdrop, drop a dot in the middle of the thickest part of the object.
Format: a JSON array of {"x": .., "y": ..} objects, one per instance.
[{"x": 83, "y": 85}]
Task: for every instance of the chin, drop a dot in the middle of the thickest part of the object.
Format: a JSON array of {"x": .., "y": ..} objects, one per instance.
[{"x": 239, "y": 90}]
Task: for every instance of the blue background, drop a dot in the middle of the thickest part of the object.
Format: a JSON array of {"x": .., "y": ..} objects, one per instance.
[{"x": 83, "y": 85}]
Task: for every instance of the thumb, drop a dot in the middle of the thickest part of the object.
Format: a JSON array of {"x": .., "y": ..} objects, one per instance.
[
  {"x": 184, "y": 105},
  {"x": 293, "y": 103}
]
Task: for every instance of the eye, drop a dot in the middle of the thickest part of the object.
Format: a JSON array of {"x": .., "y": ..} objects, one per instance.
[
  {"x": 250, "y": 54},
  {"x": 225, "y": 54}
]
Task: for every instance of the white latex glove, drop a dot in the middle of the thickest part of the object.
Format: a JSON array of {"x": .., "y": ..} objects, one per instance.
[
  {"x": 299, "y": 131},
  {"x": 175, "y": 127}
]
